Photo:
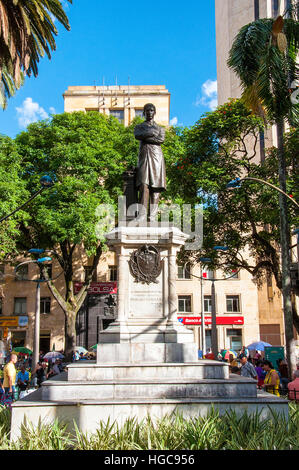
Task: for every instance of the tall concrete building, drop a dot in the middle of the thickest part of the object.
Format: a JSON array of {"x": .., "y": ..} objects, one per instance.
[
  {"x": 123, "y": 102},
  {"x": 231, "y": 16}
]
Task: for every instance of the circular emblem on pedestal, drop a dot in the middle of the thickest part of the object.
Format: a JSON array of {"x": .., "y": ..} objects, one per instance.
[{"x": 145, "y": 264}]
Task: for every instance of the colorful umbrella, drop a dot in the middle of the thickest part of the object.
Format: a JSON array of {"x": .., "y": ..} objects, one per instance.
[
  {"x": 226, "y": 352},
  {"x": 22, "y": 349},
  {"x": 94, "y": 346}
]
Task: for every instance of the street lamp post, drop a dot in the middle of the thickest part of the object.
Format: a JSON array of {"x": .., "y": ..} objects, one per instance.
[
  {"x": 214, "y": 334},
  {"x": 238, "y": 181},
  {"x": 39, "y": 261}
]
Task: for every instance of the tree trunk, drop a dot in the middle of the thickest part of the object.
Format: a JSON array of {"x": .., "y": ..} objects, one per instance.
[
  {"x": 70, "y": 334},
  {"x": 285, "y": 253}
]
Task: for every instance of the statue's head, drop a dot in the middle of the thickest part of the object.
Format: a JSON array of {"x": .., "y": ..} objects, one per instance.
[{"x": 149, "y": 111}]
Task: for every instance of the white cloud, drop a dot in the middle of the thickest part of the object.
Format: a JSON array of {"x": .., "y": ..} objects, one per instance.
[
  {"x": 173, "y": 121},
  {"x": 208, "y": 96},
  {"x": 30, "y": 112},
  {"x": 52, "y": 110}
]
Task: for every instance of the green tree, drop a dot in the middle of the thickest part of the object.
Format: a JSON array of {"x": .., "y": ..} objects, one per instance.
[
  {"x": 222, "y": 146},
  {"x": 12, "y": 194},
  {"x": 85, "y": 154},
  {"x": 264, "y": 57},
  {"x": 27, "y": 32}
]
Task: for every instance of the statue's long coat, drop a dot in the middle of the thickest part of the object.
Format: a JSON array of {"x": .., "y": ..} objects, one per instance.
[{"x": 151, "y": 164}]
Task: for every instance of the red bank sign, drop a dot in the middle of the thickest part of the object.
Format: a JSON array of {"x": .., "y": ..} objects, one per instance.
[
  {"x": 98, "y": 287},
  {"x": 208, "y": 320}
]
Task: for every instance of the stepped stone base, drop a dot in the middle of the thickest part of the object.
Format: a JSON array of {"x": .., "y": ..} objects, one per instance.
[
  {"x": 88, "y": 413},
  {"x": 89, "y": 393}
]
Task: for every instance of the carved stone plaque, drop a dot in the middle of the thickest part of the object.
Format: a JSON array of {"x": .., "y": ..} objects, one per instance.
[{"x": 145, "y": 264}]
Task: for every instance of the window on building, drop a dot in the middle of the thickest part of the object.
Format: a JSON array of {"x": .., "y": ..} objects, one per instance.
[
  {"x": 112, "y": 273},
  {"x": 18, "y": 338},
  {"x": 45, "y": 305},
  {"x": 275, "y": 8},
  {"x": 22, "y": 273},
  {"x": 209, "y": 274},
  {"x": 88, "y": 270},
  {"x": 118, "y": 114},
  {"x": 262, "y": 146},
  {"x": 234, "y": 274},
  {"x": 256, "y": 9},
  {"x": 208, "y": 304},
  {"x": 139, "y": 112},
  {"x": 184, "y": 304},
  {"x": 184, "y": 272},
  {"x": 20, "y": 307},
  {"x": 232, "y": 304},
  {"x": 235, "y": 339},
  {"x": 208, "y": 339}
]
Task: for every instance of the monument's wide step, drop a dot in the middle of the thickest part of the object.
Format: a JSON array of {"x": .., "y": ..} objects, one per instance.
[
  {"x": 87, "y": 414},
  {"x": 155, "y": 388},
  {"x": 83, "y": 371}
]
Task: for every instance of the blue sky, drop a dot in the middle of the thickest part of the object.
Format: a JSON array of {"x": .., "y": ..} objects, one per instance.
[{"x": 167, "y": 43}]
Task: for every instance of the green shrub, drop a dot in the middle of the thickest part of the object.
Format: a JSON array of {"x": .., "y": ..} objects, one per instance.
[{"x": 173, "y": 432}]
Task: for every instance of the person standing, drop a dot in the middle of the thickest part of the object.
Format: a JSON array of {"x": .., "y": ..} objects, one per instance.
[
  {"x": 272, "y": 381},
  {"x": 10, "y": 374},
  {"x": 247, "y": 369}
]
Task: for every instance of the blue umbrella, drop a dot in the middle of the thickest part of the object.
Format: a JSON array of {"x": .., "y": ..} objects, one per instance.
[{"x": 258, "y": 346}]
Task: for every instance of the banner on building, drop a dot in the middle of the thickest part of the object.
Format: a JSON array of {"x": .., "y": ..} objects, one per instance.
[
  {"x": 208, "y": 320},
  {"x": 98, "y": 287}
]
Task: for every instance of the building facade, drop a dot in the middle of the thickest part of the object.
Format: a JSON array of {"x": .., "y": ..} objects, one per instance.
[
  {"x": 122, "y": 102},
  {"x": 231, "y": 15}
]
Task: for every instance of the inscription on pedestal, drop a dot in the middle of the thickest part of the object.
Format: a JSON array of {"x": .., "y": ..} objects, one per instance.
[{"x": 146, "y": 300}]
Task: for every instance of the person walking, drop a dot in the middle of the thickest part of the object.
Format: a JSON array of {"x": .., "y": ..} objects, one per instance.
[
  {"x": 247, "y": 369},
  {"x": 9, "y": 375},
  {"x": 272, "y": 381}
]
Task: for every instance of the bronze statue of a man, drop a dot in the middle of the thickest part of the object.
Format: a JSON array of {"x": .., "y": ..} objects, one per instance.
[{"x": 151, "y": 175}]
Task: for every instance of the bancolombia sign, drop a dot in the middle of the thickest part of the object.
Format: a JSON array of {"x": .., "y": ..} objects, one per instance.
[{"x": 208, "y": 320}]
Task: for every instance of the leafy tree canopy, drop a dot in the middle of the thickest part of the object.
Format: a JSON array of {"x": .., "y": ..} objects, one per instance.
[
  {"x": 12, "y": 195},
  {"x": 221, "y": 147}
]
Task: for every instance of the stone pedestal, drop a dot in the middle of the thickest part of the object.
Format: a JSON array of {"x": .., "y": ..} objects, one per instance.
[{"x": 147, "y": 313}]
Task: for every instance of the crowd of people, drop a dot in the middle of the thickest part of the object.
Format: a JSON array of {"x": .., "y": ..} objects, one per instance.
[
  {"x": 17, "y": 377},
  {"x": 274, "y": 380}
]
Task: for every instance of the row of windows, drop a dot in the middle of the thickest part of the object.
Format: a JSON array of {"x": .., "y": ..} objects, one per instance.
[
  {"x": 184, "y": 272},
  {"x": 23, "y": 275},
  {"x": 184, "y": 304},
  {"x": 119, "y": 114},
  {"x": 20, "y": 305},
  {"x": 232, "y": 304}
]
